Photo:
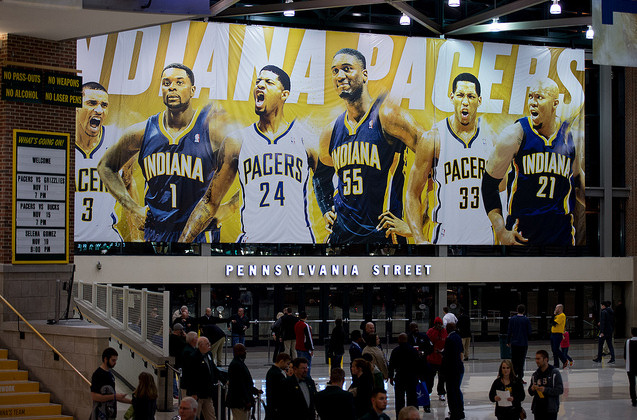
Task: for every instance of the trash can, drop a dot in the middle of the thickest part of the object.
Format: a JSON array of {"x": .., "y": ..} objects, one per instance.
[{"x": 505, "y": 351}]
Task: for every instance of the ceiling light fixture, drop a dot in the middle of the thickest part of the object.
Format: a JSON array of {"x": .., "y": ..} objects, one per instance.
[
  {"x": 405, "y": 20},
  {"x": 495, "y": 25},
  {"x": 357, "y": 14},
  {"x": 288, "y": 13},
  {"x": 454, "y": 3},
  {"x": 555, "y": 9},
  {"x": 590, "y": 33}
]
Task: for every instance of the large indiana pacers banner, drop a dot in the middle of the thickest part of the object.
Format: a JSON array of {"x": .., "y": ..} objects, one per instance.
[{"x": 215, "y": 132}]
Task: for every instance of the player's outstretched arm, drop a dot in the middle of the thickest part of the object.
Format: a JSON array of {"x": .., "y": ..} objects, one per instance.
[
  {"x": 135, "y": 232},
  {"x": 506, "y": 147},
  {"x": 112, "y": 162},
  {"x": 322, "y": 180},
  {"x": 415, "y": 209},
  {"x": 399, "y": 123},
  {"x": 206, "y": 208}
]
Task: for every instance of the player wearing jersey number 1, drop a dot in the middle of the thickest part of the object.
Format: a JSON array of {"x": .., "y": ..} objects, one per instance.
[
  {"x": 366, "y": 147},
  {"x": 177, "y": 151},
  {"x": 546, "y": 181},
  {"x": 273, "y": 158},
  {"x": 95, "y": 216},
  {"x": 452, "y": 158}
]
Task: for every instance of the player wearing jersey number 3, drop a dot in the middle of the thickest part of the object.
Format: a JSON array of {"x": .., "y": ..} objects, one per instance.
[
  {"x": 366, "y": 146},
  {"x": 95, "y": 216},
  {"x": 177, "y": 154},
  {"x": 541, "y": 201},
  {"x": 452, "y": 157},
  {"x": 273, "y": 158}
]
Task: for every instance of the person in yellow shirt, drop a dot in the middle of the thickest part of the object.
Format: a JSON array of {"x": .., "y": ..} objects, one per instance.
[{"x": 557, "y": 330}]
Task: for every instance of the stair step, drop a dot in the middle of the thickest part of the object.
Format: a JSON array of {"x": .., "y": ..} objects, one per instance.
[
  {"x": 47, "y": 417},
  {"x": 4, "y": 354},
  {"x": 11, "y": 375},
  {"x": 9, "y": 387},
  {"x": 24, "y": 398},
  {"x": 20, "y": 410},
  {"x": 8, "y": 364}
]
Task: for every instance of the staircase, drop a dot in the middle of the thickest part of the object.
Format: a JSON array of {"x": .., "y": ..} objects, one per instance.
[{"x": 21, "y": 398}]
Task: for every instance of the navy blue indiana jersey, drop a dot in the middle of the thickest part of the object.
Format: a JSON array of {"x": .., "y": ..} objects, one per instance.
[
  {"x": 541, "y": 188},
  {"x": 371, "y": 175},
  {"x": 177, "y": 170}
]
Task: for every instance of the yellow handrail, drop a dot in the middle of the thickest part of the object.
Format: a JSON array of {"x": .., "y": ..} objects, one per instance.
[{"x": 44, "y": 339}]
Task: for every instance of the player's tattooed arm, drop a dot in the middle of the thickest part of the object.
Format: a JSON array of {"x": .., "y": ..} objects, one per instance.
[
  {"x": 415, "y": 205},
  {"x": 221, "y": 181},
  {"x": 113, "y": 161},
  {"x": 506, "y": 147},
  {"x": 400, "y": 124}
]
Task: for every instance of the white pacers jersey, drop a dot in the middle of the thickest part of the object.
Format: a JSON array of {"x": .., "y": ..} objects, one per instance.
[
  {"x": 457, "y": 209},
  {"x": 95, "y": 216},
  {"x": 274, "y": 175}
]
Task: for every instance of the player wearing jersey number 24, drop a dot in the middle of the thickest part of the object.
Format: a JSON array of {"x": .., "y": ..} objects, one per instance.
[{"x": 273, "y": 158}]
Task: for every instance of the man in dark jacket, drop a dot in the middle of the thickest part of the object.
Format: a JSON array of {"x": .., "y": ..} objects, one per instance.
[
  {"x": 546, "y": 388},
  {"x": 403, "y": 373},
  {"x": 202, "y": 384},
  {"x": 241, "y": 387},
  {"x": 453, "y": 370},
  {"x": 239, "y": 323},
  {"x": 274, "y": 387},
  {"x": 605, "y": 333},
  {"x": 333, "y": 403},
  {"x": 217, "y": 338},
  {"x": 187, "y": 356},
  {"x": 300, "y": 392},
  {"x": 288, "y": 321},
  {"x": 518, "y": 339},
  {"x": 464, "y": 329},
  {"x": 356, "y": 347}
]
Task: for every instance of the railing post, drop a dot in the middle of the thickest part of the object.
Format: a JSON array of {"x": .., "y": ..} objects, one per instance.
[
  {"x": 94, "y": 295},
  {"x": 165, "y": 321},
  {"x": 109, "y": 301},
  {"x": 144, "y": 314},
  {"x": 79, "y": 286},
  {"x": 125, "y": 307}
]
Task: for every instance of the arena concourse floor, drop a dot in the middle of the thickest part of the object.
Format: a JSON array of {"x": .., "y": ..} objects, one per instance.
[{"x": 592, "y": 391}]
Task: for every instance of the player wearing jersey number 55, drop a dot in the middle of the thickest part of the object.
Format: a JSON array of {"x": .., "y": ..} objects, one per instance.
[
  {"x": 546, "y": 176},
  {"x": 273, "y": 158},
  {"x": 177, "y": 154},
  {"x": 366, "y": 146},
  {"x": 452, "y": 158}
]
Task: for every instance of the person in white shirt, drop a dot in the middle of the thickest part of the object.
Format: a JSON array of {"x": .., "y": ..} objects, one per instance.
[{"x": 449, "y": 317}]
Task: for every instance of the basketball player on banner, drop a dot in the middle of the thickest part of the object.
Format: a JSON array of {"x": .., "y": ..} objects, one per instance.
[{"x": 273, "y": 158}]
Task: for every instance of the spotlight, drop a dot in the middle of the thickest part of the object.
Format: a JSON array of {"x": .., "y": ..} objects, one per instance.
[
  {"x": 495, "y": 25},
  {"x": 590, "y": 33},
  {"x": 405, "y": 20},
  {"x": 454, "y": 3},
  {"x": 288, "y": 13},
  {"x": 555, "y": 9}
]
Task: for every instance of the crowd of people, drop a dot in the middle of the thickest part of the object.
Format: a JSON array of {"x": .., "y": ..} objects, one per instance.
[{"x": 292, "y": 394}]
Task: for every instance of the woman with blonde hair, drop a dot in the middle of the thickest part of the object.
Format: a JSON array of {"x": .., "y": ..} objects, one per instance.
[
  {"x": 145, "y": 398},
  {"x": 507, "y": 381}
]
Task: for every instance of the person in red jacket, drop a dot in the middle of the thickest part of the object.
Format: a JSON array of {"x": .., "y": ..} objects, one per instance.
[
  {"x": 437, "y": 335},
  {"x": 304, "y": 344}
]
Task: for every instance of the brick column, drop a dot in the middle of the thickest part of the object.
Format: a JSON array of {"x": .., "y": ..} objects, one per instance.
[{"x": 30, "y": 287}]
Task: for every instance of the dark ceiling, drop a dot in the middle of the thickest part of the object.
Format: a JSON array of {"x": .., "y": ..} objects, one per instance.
[{"x": 525, "y": 21}]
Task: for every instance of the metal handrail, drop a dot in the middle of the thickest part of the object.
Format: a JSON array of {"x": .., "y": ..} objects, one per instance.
[{"x": 44, "y": 339}]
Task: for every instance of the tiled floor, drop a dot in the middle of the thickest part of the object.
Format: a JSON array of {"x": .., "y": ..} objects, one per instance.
[{"x": 591, "y": 390}]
